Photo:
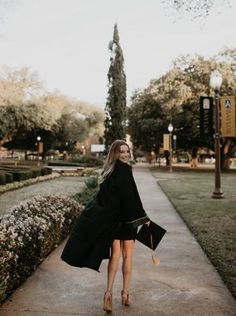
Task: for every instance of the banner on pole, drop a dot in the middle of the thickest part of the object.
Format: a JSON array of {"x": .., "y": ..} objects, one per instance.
[
  {"x": 40, "y": 147},
  {"x": 206, "y": 117},
  {"x": 228, "y": 116},
  {"x": 166, "y": 141}
]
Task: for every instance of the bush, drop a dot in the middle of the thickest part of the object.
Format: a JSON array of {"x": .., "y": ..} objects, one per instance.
[
  {"x": 28, "y": 174},
  {"x": 45, "y": 171},
  {"x": 29, "y": 233},
  {"x": 91, "y": 182},
  {"x": 90, "y": 172},
  {"x": 86, "y": 195},
  {"x": 64, "y": 163},
  {"x": 89, "y": 192},
  {"x": 5, "y": 177},
  {"x": 9, "y": 177},
  {"x": 36, "y": 173},
  {"x": 20, "y": 184},
  {"x": 89, "y": 161},
  {"x": 2, "y": 178},
  {"x": 22, "y": 173},
  {"x": 18, "y": 175},
  {"x": 83, "y": 161}
]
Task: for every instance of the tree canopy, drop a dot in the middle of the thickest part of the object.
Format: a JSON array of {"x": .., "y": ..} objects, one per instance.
[
  {"x": 195, "y": 8},
  {"x": 28, "y": 111},
  {"x": 146, "y": 120},
  {"x": 175, "y": 97},
  {"x": 18, "y": 86},
  {"x": 115, "y": 109}
]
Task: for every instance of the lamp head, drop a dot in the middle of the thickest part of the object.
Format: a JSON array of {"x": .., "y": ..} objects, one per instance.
[
  {"x": 38, "y": 138},
  {"x": 216, "y": 80},
  {"x": 170, "y": 128}
]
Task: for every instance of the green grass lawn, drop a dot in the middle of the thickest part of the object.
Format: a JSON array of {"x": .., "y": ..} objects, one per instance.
[{"x": 213, "y": 222}]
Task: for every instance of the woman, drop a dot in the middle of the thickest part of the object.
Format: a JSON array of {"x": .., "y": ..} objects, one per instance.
[{"x": 110, "y": 221}]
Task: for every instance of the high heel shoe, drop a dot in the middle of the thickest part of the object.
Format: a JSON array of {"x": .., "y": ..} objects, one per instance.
[
  {"x": 107, "y": 304},
  {"x": 125, "y": 298}
]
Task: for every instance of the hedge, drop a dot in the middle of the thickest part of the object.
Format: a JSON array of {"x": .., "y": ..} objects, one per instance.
[
  {"x": 45, "y": 171},
  {"x": 5, "y": 177},
  {"x": 61, "y": 163},
  {"x": 88, "y": 160},
  {"x": 36, "y": 173},
  {"x": 89, "y": 192},
  {"x": 9, "y": 177},
  {"x": 2, "y": 178},
  {"x": 9, "y": 174},
  {"x": 29, "y": 233},
  {"x": 20, "y": 184},
  {"x": 83, "y": 161}
]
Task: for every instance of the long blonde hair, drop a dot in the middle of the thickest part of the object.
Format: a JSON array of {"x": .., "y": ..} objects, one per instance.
[{"x": 112, "y": 156}]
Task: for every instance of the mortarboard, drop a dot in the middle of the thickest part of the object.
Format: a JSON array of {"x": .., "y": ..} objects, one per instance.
[{"x": 150, "y": 235}]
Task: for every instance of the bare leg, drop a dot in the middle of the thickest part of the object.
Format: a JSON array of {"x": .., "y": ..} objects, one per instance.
[
  {"x": 127, "y": 252},
  {"x": 113, "y": 264},
  {"x": 111, "y": 273}
]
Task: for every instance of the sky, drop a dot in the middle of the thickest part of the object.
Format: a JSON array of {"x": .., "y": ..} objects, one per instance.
[{"x": 66, "y": 41}]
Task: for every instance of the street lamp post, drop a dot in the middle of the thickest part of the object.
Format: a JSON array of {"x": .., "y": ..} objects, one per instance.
[
  {"x": 38, "y": 141},
  {"x": 215, "y": 83},
  {"x": 170, "y": 129}
]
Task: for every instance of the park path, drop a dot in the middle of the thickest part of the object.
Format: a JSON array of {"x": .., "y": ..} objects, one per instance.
[
  {"x": 184, "y": 284},
  {"x": 62, "y": 185}
]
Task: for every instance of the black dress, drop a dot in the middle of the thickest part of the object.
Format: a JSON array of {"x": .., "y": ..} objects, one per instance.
[{"x": 125, "y": 232}]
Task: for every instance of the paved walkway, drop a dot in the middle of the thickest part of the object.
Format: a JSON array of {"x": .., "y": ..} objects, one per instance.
[{"x": 185, "y": 283}]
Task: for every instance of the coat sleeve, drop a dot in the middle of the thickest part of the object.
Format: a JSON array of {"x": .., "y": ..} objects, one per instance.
[{"x": 132, "y": 210}]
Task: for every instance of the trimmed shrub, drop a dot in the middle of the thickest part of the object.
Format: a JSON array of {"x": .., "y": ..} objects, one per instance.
[
  {"x": 83, "y": 161},
  {"x": 88, "y": 161},
  {"x": 29, "y": 233},
  {"x": 49, "y": 170},
  {"x": 86, "y": 195},
  {"x": 90, "y": 172},
  {"x": 23, "y": 173},
  {"x": 45, "y": 171},
  {"x": 28, "y": 174},
  {"x": 80, "y": 172},
  {"x": 18, "y": 175},
  {"x": 9, "y": 177},
  {"x": 19, "y": 184},
  {"x": 36, "y": 173},
  {"x": 2, "y": 178},
  {"x": 64, "y": 163},
  {"x": 89, "y": 192},
  {"x": 91, "y": 182}
]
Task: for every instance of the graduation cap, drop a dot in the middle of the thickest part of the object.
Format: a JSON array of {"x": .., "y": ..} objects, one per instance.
[{"x": 150, "y": 235}]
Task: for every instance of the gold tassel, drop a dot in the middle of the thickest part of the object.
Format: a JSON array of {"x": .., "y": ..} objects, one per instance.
[{"x": 155, "y": 260}]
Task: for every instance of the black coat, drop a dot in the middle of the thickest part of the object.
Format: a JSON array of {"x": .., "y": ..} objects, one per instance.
[{"x": 117, "y": 202}]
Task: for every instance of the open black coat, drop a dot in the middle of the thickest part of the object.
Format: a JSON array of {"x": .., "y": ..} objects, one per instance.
[{"x": 117, "y": 202}]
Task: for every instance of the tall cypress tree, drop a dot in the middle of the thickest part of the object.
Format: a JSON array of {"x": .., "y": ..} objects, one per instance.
[{"x": 115, "y": 109}]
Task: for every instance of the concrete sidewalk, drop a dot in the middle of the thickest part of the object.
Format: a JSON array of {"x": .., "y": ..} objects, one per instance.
[{"x": 185, "y": 283}]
